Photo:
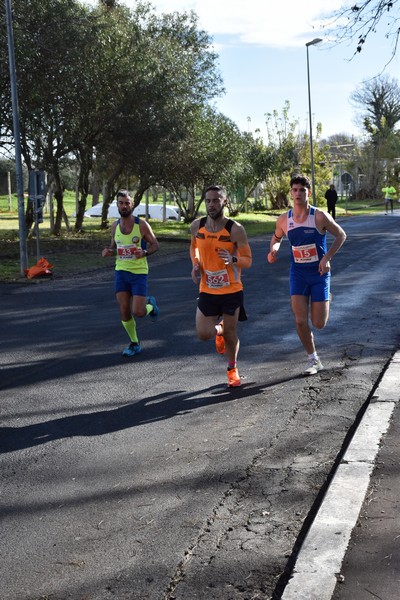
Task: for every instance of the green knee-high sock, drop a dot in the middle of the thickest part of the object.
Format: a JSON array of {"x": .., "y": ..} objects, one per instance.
[{"x": 130, "y": 328}]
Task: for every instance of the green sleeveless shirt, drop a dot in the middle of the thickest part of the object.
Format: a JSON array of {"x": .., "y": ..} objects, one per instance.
[{"x": 126, "y": 244}]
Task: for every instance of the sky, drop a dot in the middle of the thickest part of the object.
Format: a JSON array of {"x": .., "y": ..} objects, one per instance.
[{"x": 263, "y": 60}]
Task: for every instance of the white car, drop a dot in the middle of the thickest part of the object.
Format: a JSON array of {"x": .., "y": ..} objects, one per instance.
[{"x": 155, "y": 211}]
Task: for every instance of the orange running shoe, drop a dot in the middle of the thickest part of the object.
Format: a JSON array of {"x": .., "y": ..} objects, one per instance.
[
  {"x": 220, "y": 344},
  {"x": 219, "y": 338},
  {"x": 233, "y": 378}
]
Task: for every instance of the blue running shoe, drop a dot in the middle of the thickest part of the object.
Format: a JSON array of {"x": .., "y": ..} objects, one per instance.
[
  {"x": 156, "y": 311},
  {"x": 132, "y": 349}
]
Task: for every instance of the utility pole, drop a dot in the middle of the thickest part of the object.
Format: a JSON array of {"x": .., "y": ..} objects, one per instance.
[{"x": 23, "y": 252}]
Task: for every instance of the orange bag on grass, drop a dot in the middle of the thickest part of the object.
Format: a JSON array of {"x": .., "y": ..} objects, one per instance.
[{"x": 41, "y": 269}]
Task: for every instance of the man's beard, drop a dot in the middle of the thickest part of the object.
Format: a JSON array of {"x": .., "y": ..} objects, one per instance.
[
  {"x": 216, "y": 215},
  {"x": 126, "y": 212}
]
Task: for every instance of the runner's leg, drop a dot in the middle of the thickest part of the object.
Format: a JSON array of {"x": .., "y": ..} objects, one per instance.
[
  {"x": 230, "y": 335},
  {"x": 124, "y": 303},
  {"x": 205, "y": 326},
  {"x": 319, "y": 313},
  {"x": 139, "y": 306},
  {"x": 300, "y": 311}
]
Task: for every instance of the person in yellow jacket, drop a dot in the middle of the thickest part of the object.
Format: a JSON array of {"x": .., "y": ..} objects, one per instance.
[
  {"x": 219, "y": 251},
  {"x": 132, "y": 241},
  {"x": 390, "y": 194}
]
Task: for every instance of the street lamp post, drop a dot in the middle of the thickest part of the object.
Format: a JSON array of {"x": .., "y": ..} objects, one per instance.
[{"x": 312, "y": 43}]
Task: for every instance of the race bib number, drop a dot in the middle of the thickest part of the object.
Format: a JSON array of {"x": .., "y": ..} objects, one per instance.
[
  {"x": 217, "y": 279},
  {"x": 305, "y": 254},
  {"x": 126, "y": 252}
]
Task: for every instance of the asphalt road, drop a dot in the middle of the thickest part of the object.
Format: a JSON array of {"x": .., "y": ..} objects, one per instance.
[{"x": 149, "y": 479}]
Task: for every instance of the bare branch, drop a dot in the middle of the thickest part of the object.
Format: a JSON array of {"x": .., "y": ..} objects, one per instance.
[{"x": 358, "y": 22}]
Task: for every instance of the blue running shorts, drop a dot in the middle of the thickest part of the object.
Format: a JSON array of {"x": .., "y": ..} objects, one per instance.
[
  {"x": 135, "y": 284},
  {"x": 307, "y": 282}
]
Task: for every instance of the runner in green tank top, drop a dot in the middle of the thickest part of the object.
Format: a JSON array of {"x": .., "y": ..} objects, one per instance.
[{"x": 132, "y": 241}]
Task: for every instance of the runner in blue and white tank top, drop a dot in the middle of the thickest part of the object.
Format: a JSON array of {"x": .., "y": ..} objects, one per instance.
[
  {"x": 308, "y": 246},
  {"x": 310, "y": 243},
  {"x": 305, "y": 227}
]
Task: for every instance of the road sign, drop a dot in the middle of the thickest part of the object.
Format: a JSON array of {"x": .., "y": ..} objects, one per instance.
[
  {"x": 346, "y": 178},
  {"x": 37, "y": 193}
]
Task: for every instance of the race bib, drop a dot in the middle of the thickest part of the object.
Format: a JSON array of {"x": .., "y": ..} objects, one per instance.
[
  {"x": 126, "y": 252},
  {"x": 305, "y": 254},
  {"x": 217, "y": 279}
]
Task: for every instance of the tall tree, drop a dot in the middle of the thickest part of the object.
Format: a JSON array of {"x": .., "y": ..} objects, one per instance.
[
  {"x": 109, "y": 87},
  {"x": 283, "y": 140},
  {"x": 170, "y": 72},
  {"x": 378, "y": 101},
  {"x": 291, "y": 153},
  {"x": 210, "y": 152},
  {"x": 255, "y": 165},
  {"x": 106, "y": 83},
  {"x": 50, "y": 39}
]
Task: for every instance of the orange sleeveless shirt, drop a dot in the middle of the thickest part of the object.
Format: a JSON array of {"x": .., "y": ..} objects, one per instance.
[{"x": 216, "y": 276}]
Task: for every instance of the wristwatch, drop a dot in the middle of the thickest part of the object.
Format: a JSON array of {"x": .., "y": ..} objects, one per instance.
[
  {"x": 145, "y": 252},
  {"x": 234, "y": 260}
]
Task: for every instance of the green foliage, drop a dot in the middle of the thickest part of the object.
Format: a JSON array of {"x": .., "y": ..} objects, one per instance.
[
  {"x": 170, "y": 72},
  {"x": 112, "y": 86},
  {"x": 7, "y": 166},
  {"x": 209, "y": 153},
  {"x": 283, "y": 143},
  {"x": 255, "y": 166},
  {"x": 378, "y": 103},
  {"x": 111, "y": 94},
  {"x": 290, "y": 152},
  {"x": 322, "y": 168}
]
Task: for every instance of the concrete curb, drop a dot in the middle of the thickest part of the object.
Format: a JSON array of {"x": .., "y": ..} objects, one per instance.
[{"x": 320, "y": 558}]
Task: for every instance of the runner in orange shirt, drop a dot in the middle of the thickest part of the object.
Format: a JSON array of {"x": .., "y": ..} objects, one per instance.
[{"x": 219, "y": 250}]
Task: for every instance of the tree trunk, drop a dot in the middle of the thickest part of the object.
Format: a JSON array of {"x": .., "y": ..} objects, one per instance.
[
  {"x": 58, "y": 195},
  {"x": 143, "y": 185},
  {"x": 85, "y": 162},
  {"x": 95, "y": 189}
]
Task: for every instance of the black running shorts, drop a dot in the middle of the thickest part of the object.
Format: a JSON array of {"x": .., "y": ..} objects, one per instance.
[{"x": 217, "y": 305}]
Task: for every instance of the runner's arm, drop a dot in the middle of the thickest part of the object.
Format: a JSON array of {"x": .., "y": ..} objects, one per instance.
[
  {"x": 148, "y": 235},
  {"x": 239, "y": 238},
  {"x": 276, "y": 240},
  {"x": 194, "y": 253},
  {"x": 326, "y": 223},
  {"x": 110, "y": 250}
]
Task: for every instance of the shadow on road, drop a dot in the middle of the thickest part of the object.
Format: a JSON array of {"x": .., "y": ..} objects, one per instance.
[{"x": 148, "y": 410}]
